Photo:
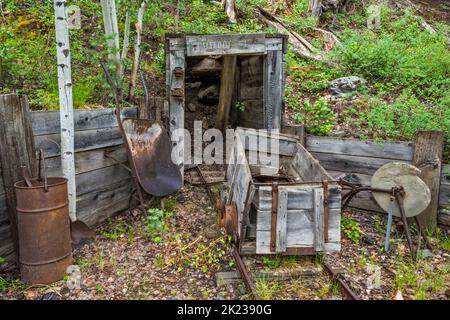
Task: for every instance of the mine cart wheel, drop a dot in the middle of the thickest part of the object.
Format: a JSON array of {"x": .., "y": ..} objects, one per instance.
[{"x": 230, "y": 221}]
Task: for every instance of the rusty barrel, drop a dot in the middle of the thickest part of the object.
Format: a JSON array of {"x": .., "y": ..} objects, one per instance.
[{"x": 44, "y": 230}]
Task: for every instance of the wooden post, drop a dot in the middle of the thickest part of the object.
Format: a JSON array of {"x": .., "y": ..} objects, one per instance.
[
  {"x": 428, "y": 158},
  {"x": 297, "y": 130},
  {"x": 226, "y": 91},
  {"x": 65, "y": 102},
  {"x": 16, "y": 150}
]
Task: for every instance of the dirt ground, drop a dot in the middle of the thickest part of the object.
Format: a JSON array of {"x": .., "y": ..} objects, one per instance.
[{"x": 125, "y": 262}]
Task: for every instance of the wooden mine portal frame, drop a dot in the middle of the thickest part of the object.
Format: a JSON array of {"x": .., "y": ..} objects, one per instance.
[{"x": 270, "y": 48}]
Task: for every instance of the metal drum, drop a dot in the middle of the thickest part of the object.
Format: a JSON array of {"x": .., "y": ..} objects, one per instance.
[{"x": 44, "y": 229}]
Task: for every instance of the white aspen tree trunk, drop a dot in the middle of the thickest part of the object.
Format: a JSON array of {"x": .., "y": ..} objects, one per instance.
[
  {"x": 137, "y": 47},
  {"x": 126, "y": 35},
  {"x": 230, "y": 9},
  {"x": 112, "y": 33},
  {"x": 65, "y": 102}
]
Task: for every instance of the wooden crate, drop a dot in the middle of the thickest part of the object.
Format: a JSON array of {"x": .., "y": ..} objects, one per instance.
[{"x": 308, "y": 202}]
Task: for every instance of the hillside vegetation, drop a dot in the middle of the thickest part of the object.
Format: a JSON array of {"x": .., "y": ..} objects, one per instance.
[{"x": 405, "y": 66}]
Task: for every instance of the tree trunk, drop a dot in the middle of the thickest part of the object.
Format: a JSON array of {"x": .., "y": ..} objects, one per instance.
[
  {"x": 230, "y": 9},
  {"x": 315, "y": 7},
  {"x": 137, "y": 47},
  {"x": 112, "y": 34},
  {"x": 65, "y": 102},
  {"x": 126, "y": 36}
]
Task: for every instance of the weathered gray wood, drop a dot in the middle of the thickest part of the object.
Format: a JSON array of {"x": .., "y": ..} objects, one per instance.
[
  {"x": 99, "y": 204},
  {"x": 281, "y": 231},
  {"x": 17, "y": 149},
  {"x": 444, "y": 196},
  {"x": 241, "y": 181},
  {"x": 307, "y": 167},
  {"x": 297, "y": 130},
  {"x": 48, "y": 122},
  {"x": 318, "y": 220},
  {"x": 428, "y": 158},
  {"x": 287, "y": 144},
  {"x": 300, "y": 231},
  {"x": 84, "y": 140},
  {"x": 176, "y": 103},
  {"x": 354, "y": 147},
  {"x": 90, "y": 160},
  {"x": 273, "y": 88},
  {"x": 92, "y": 180},
  {"x": 300, "y": 197},
  {"x": 205, "y": 45},
  {"x": 227, "y": 87},
  {"x": 350, "y": 164}
]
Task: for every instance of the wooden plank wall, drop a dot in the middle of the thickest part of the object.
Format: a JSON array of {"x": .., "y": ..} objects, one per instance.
[
  {"x": 360, "y": 159},
  {"x": 103, "y": 187}
]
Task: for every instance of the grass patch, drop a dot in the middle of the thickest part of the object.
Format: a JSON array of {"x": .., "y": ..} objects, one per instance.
[{"x": 266, "y": 289}]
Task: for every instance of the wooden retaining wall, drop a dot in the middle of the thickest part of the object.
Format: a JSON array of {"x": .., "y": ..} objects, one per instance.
[
  {"x": 103, "y": 187},
  {"x": 359, "y": 160}
]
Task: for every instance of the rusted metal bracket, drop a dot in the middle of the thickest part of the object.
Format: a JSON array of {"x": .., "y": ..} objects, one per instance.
[
  {"x": 273, "y": 231},
  {"x": 398, "y": 192}
]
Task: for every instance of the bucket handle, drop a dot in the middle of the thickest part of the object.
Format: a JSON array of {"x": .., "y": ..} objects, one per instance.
[
  {"x": 26, "y": 176},
  {"x": 42, "y": 168}
]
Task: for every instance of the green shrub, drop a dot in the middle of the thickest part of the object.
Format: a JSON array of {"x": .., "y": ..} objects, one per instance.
[
  {"x": 157, "y": 223},
  {"x": 317, "y": 117},
  {"x": 351, "y": 229},
  {"x": 402, "y": 55}
]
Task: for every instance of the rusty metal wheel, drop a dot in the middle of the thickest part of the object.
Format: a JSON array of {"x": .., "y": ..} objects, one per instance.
[{"x": 230, "y": 221}]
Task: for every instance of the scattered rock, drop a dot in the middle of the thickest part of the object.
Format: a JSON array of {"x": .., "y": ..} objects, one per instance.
[
  {"x": 398, "y": 295},
  {"x": 370, "y": 240},
  {"x": 227, "y": 277},
  {"x": 346, "y": 85},
  {"x": 192, "y": 107},
  {"x": 209, "y": 95},
  {"x": 193, "y": 85},
  {"x": 447, "y": 293}
]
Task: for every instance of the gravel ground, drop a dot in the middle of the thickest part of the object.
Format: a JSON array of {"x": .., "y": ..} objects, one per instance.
[{"x": 125, "y": 262}]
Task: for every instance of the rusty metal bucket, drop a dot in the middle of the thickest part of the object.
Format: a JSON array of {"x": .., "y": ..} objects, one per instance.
[
  {"x": 149, "y": 151},
  {"x": 44, "y": 229}
]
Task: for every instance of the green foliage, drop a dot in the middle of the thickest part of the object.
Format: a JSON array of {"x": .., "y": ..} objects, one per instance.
[
  {"x": 402, "y": 55},
  {"x": 157, "y": 223},
  {"x": 170, "y": 204},
  {"x": 276, "y": 261},
  {"x": 442, "y": 240},
  {"x": 266, "y": 289},
  {"x": 2, "y": 261},
  {"x": 423, "y": 279},
  {"x": 403, "y": 117},
  {"x": 351, "y": 229},
  {"x": 10, "y": 285},
  {"x": 317, "y": 117},
  {"x": 99, "y": 288}
]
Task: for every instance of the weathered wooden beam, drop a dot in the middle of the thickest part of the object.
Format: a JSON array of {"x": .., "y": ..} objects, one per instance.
[
  {"x": 227, "y": 85},
  {"x": 297, "y": 130},
  {"x": 17, "y": 149},
  {"x": 428, "y": 158}
]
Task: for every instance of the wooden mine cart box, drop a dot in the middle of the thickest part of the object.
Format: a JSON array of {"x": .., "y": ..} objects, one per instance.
[{"x": 291, "y": 206}]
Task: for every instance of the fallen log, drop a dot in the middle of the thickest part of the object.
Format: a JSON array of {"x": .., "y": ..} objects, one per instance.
[{"x": 300, "y": 45}]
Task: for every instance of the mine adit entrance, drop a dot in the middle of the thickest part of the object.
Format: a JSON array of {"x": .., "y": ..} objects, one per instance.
[{"x": 223, "y": 80}]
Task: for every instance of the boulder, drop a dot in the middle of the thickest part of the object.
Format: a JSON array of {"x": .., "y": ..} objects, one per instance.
[{"x": 346, "y": 85}]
